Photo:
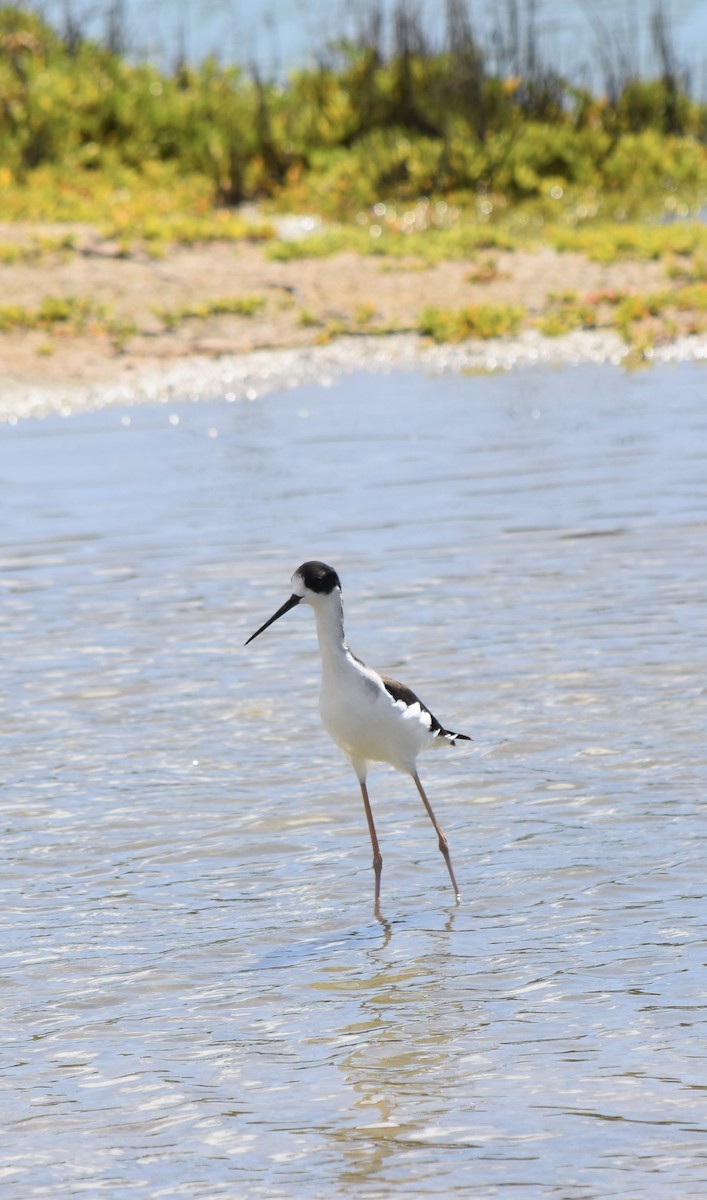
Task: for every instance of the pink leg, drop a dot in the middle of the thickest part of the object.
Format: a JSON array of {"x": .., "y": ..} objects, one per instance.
[
  {"x": 377, "y": 856},
  {"x": 443, "y": 845}
]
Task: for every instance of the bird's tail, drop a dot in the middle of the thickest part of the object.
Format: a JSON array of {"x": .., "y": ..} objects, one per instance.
[{"x": 453, "y": 738}]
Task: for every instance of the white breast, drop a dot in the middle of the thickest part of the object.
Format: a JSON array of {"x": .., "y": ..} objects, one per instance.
[{"x": 366, "y": 723}]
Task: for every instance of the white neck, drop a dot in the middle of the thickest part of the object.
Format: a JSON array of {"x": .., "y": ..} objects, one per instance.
[{"x": 330, "y": 629}]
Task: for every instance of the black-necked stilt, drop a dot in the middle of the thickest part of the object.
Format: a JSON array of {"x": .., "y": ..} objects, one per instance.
[{"x": 370, "y": 717}]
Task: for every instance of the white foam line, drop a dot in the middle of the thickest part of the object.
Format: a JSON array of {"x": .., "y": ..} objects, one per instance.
[{"x": 250, "y": 376}]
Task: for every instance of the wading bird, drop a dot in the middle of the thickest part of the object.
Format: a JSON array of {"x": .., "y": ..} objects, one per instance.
[{"x": 370, "y": 717}]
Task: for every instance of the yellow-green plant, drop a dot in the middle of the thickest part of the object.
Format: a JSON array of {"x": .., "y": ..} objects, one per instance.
[
  {"x": 68, "y": 314},
  {"x": 373, "y": 123},
  {"x": 239, "y": 306},
  {"x": 477, "y": 321}
]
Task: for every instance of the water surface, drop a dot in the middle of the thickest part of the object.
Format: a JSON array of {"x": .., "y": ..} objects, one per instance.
[
  {"x": 281, "y": 35},
  {"x": 198, "y": 1000}
]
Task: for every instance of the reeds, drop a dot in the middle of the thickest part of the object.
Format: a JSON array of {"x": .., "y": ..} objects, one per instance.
[{"x": 383, "y": 113}]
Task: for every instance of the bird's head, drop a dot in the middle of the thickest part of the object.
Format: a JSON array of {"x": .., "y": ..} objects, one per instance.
[{"x": 312, "y": 583}]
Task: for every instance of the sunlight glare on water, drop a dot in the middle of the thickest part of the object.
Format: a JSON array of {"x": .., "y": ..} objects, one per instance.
[{"x": 198, "y": 1000}]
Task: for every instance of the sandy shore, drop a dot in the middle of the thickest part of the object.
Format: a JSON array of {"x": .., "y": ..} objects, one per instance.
[{"x": 283, "y": 343}]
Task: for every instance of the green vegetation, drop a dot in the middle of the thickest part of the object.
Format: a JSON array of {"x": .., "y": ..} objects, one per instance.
[
  {"x": 412, "y": 153},
  {"x": 67, "y": 315},
  {"x": 567, "y": 314},
  {"x": 386, "y": 233},
  {"x": 238, "y": 306},
  {"x": 476, "y": 321},
  {"x": 641, "y": 320},
  {"x": 607, "y": 242},
  {"x": 36, "y": 249},
  {"x": 156, "y": 204},
  {"x": 683, "y": 244},
  {"x": 87, "y": 135}
]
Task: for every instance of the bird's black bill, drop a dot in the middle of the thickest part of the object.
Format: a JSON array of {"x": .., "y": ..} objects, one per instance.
[{"x": 293, "y": 600}]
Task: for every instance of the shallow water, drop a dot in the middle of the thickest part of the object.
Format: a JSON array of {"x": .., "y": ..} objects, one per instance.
[
  {"x": 198, "y": 1000},
  {"x": 285, "y": 34}
]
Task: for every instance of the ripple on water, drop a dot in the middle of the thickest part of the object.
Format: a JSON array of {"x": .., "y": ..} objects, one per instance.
[{"x": 198, "y": 1000}]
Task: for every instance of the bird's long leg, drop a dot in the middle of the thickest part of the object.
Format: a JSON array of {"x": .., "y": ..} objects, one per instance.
[
  {"x": 443, "y": 844},
  {"x": 377, "y": 856}
]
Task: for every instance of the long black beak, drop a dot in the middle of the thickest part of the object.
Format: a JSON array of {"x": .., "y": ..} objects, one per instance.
[{"x": 293, "y": 600}]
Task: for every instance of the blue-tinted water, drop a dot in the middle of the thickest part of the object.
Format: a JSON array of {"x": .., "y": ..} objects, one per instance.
[
  {"x": 281, "y": 34},
  {"x": 197, "y": 998}
]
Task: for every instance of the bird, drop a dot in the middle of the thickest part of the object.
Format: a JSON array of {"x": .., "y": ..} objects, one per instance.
[{"x": 371, "y": 717}]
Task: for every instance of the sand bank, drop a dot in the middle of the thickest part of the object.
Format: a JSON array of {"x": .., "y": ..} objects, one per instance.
[{"x": 284, "y": 343}]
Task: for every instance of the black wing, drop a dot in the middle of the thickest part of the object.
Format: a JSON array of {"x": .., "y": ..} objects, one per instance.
[{"x": 400, "y": 692}]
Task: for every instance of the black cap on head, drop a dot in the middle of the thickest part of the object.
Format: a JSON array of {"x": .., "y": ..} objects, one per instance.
[{"x": 318, "y": 577}]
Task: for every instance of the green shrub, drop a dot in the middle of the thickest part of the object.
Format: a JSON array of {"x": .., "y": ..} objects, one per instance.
[
  {"x": 371, "y": 124},
  {"x": 477, "y": 321}
]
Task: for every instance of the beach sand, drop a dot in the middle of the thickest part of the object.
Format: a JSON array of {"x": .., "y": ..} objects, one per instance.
[{"x": 289, "y": 339}]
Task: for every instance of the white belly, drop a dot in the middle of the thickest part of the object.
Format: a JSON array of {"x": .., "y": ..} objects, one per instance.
[{"x": 365, "y": 722}]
